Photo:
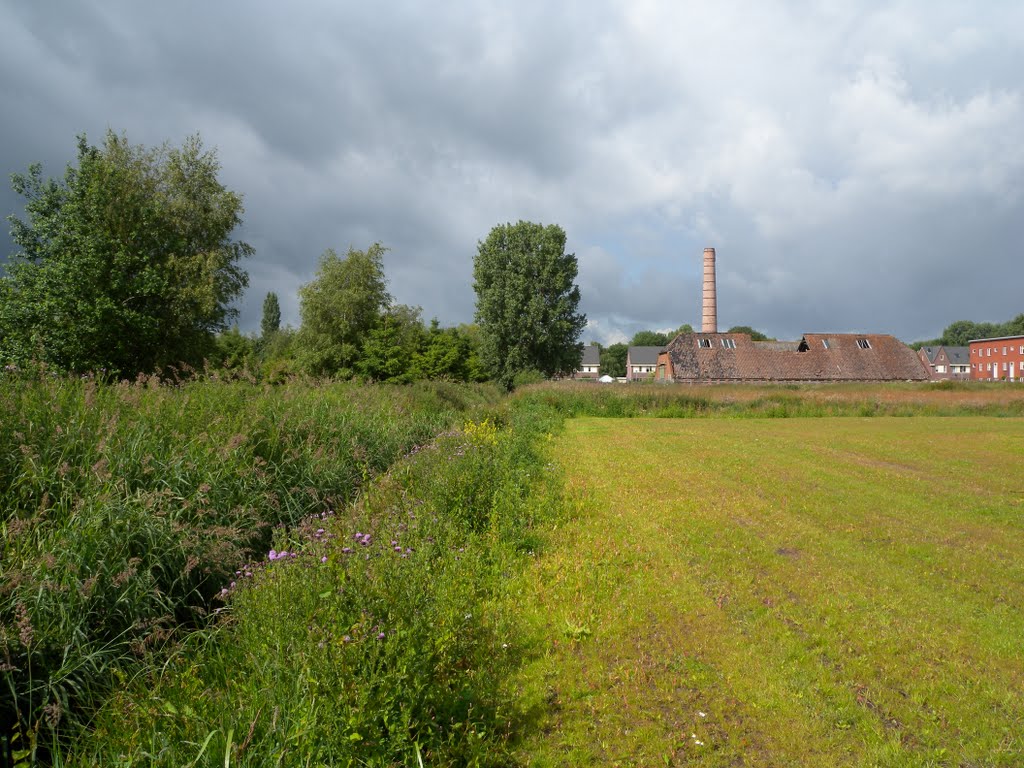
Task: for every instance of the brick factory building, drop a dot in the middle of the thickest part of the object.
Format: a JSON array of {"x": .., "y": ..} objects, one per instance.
[
  {"x": 734, "y": 357},
  {"x": 999, "y": 359}
]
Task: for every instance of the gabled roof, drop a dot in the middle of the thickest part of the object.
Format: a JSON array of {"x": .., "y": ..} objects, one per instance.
[
  {"x": 957, "y": 355},
  {"x": 960, "y": 355},
  {"x": 816, "y": 357},
  {"x": 643, "y": 355},
  {"x": 591, "y": 355}
]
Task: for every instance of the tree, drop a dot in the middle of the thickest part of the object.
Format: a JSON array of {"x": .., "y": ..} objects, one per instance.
[
  {"x": 345, "y": 301},
  {"x": 648, "y": 339},
  {"x": 754, "y": 335},
  {"x": 958, "y": 333},
  {"x": 613, "y": 359},
  {"x": 232, "y": 350},
  {"x": 271, "y": 322},
  {"x": 527, "y": 301},
  {"x": 127, "y": 263},
  {"x": 390, "y": 348}
]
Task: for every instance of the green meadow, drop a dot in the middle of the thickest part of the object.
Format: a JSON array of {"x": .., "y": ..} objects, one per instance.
[{"x": 825, "y": 591}]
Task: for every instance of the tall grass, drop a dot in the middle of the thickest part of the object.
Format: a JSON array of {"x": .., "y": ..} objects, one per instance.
[
  {"x": 128, "y": 507},
  {"x": 366, "y": 637}
]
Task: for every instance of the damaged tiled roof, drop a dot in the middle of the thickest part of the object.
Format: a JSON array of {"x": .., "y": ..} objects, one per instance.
[{"x": 816, "y": 357}]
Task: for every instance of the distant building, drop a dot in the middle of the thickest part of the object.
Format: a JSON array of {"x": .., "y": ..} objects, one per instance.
[
  {"x": 590, "y": 365},
  {"x": 999, "y": 359},
  {"x": 641, "y": 362},
  {"x": 734, "y": 357},
  {"x": 946, "y": 362}
]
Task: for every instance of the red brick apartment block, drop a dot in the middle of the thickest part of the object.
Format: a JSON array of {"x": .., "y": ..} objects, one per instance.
[{"x": 1000, "y": 359}]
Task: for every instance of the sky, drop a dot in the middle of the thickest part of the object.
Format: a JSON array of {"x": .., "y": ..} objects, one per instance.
[{"x": 858, "y": 166}]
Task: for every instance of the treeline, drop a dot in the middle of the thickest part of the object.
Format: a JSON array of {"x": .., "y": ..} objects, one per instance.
[
  {"x": 959, "y": 333},
  {"x": 127, "y": 267},
  {"x": 351, "y": 328}
]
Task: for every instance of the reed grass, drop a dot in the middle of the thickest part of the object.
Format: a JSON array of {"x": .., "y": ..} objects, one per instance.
[{"x": 128, "y": 507}]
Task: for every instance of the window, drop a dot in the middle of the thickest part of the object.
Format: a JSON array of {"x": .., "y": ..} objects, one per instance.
[
  {"x": 863, "y": 344},
  {"x": 988, "y": 351},
  {"x": 704, "y": 343},
  {"x": 825, "y": 344},
  {"x": 728, "y": 343},
  {"x": 1022, "y": 349},
  {"x": 940, "y": 369},
  {"x": 1004, "y": 350}
]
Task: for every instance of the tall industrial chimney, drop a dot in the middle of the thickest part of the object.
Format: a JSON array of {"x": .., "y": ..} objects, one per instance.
[{"x": 709, "y": 321}]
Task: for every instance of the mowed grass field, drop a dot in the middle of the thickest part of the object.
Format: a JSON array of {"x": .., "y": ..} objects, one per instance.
[{"x": 780, "y": 592}]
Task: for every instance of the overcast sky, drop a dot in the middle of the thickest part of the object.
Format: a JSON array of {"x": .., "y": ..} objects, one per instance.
[{"x": 858, "y": 166}]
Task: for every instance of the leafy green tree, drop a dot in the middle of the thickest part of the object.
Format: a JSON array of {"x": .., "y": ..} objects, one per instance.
[
  {"x": 233, "y": 350},
  {"x": 271, "y": 321},
  {"x": 958, "y": 333},
  {"x": 127, "y": 263},
  {"x": 754, "y": 335},
  {"x": 648, "y": 339},
  {"x": 345, "y": 301},
  {"x": 527, "y": 301},
  {"x": 684, "y": 328},
  {"x": 1014, "y": 327},
  {"x": 613, "y": 360},
  {"x": 390, "y": 349}
]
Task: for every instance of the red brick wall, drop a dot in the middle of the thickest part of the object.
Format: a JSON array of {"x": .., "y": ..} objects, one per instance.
[{"x": 993, "y": 359}]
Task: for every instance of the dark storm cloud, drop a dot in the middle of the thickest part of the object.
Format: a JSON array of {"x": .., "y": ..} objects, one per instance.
[{"x": 856, "y": 168}]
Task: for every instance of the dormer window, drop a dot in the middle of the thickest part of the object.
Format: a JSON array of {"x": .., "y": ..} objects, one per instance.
[
  {"x": 863, "y": 344},
  {"x": 825, "y": 344},
  {"x": 704, "y": 343},
  {"x": 729, "y": 343}
]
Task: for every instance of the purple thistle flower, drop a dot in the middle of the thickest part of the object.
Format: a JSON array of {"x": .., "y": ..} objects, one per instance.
[
  {"x": 346, "y": 550},
  {"x": 323, "y": 559},
  {"x": 272, "y": 554},
  {"x": 346, "y": 639},
  {"x": 380, "y": 635}
]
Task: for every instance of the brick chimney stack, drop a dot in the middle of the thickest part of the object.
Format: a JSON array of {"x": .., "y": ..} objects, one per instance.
[{"x": 709, "y": 321}]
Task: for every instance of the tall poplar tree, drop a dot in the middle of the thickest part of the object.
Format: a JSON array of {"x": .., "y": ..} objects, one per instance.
[
  {"x": 271, "y": 321},
  {"x": 527, "y": 302}
]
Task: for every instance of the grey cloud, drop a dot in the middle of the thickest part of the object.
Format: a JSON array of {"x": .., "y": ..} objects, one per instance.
[{"x": 857, "y": 167}]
